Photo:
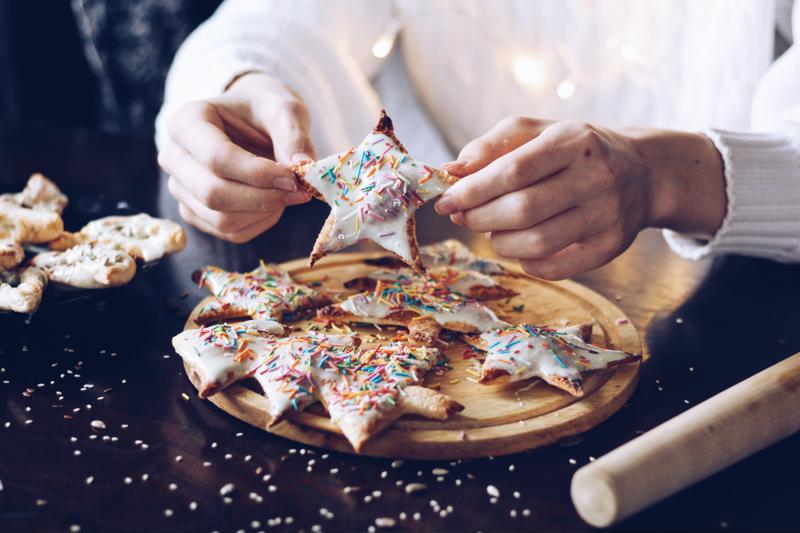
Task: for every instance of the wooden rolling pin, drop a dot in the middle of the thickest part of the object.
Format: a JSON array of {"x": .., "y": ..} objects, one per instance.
[{"x": 728, "y": 427}]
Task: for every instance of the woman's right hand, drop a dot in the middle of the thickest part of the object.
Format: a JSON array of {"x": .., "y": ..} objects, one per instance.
[{"x": 228, "y": 157}]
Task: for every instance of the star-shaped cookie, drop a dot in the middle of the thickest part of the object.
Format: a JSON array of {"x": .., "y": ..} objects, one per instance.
[
  {"x": 423, "y": 305},
  {"x": 267, "y": 292},
  {"x": 365, "y": 389},
  {"x": 374, "y": 191},
  {"x": 221, "y": 354},
  {"x": 559, "y": 357}
]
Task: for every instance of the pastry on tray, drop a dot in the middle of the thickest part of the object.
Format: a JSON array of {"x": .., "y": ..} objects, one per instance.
[
  {"x": 559, "y": 357},
  {"x": 423, "y": 305},
  {"x": 39, "y": 193},
  {"x": 87, "y": 266},
  {"x": 102, "y": 254},
  {"x": 34, "y": 214},
  {"x": 11, "y": 253},
  {"x": 141, "y": 236},
  {"x": 365, "y": 389},
  {"x": 266, "y": 292},
  {"x": 374, "y": 191},
  {"x": 28, "y": 225},
  {"x": 21, "y": 289},
  {"x": 367, "y": 379}
]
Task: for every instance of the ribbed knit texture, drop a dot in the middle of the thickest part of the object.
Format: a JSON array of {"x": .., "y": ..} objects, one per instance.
[{"x": 762, "y": 173}]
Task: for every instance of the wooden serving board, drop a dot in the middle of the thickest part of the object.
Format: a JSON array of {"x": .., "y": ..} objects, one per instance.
[{"x": 497, "y": 419}]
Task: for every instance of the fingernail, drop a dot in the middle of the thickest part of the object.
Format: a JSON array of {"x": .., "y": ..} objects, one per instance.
[
  {"x": 457, "y": 218},
  {"x": 299, "y": 197},
  {"x": 286, "y": 184},
  {"x": 445, "y": 206},
  {"x": 301, "y": 157},
  {"x": 455, "y": 167}
]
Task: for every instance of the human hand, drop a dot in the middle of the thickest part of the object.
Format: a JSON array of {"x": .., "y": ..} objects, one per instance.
[
  {"x": 228, "y": 157},
  {"x": 567, "y": 197}
]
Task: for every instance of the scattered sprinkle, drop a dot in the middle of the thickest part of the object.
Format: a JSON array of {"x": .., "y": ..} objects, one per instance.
[
  {"x": 411, "y": 488},
  {"x": 385, "y": 521},
  {"x": 227, "y": 489}
]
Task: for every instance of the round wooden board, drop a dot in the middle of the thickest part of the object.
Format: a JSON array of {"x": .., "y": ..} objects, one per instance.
[{"x": 497, "y": 419}]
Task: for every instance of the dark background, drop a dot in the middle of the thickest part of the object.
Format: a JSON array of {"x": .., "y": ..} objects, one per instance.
[{"x": 95, "y": 64}]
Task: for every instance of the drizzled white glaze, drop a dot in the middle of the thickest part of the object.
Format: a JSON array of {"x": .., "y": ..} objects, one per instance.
[
  {"x": 212, "y": 350},
  {"x": 357, "y": 402},
  {"x": 266, "y": 292},
  {"x": 526, "y": 351},
  {"x": 283, "y": 366},
  {"x": 21, "y": 289},
  {"x": 41, "y": 193},
  {"x": 88, "y": 266},
  {"x": 373, "y": 192},
  {"x": 141, "y": 236},
  {"x": 286, "y": 372}
]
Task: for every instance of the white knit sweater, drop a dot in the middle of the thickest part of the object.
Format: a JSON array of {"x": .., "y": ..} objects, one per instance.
[{"x": 692, "y": 64}]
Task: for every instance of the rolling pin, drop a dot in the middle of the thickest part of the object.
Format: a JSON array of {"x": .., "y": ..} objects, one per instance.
[{"x": 724, "y": 429}]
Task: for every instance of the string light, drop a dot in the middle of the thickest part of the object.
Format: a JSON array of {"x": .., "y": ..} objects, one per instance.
[
  {"x": 529, "y": 70},
  {"x": 565, "y": 90},
  {"x": 382, "y": 47},
  {"x": 385, "y": 42}
]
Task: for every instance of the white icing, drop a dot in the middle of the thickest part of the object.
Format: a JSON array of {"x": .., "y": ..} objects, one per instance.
[
  {"x": 561, "y": 353},
  {"x": 354, "y": 398},
  {"x": 283, "y": 366},
  {"x": 88, "y": 266},
  {"x": 373, "y": 192},
  {"x": 360, "y": 385},
  {"x": 41, "y": 193},
  {"x": 266, "y": 292},
  {"x": 287, "y": 372},
  {"x": 212, "y": 350},
  {"x": 466, "y": 312},
  {"x": 140, "y": 235},
  {"x": 21, "y": 289}
]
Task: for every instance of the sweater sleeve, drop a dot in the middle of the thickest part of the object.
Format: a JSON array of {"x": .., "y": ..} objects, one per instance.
[
  {"x": 762, "y": 173},
  {"x": 317, "y": 47}
]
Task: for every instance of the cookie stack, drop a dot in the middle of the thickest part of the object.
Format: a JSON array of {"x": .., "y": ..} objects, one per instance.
[{"x": 102, "y": 254}]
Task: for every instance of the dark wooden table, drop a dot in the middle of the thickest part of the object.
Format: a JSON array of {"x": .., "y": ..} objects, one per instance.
[{"x": 164, "y": 454}]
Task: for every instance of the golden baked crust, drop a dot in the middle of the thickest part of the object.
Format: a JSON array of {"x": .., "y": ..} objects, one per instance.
[
  {"x": 268, "y": 291},
  {"x": 11, "y": 254},
  {"x": 87, "y": 266},
  {"x": 21, "y": 289}
]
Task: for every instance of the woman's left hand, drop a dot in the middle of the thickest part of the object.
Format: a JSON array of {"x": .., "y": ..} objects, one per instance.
[{"x": 567, "y": 197}]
